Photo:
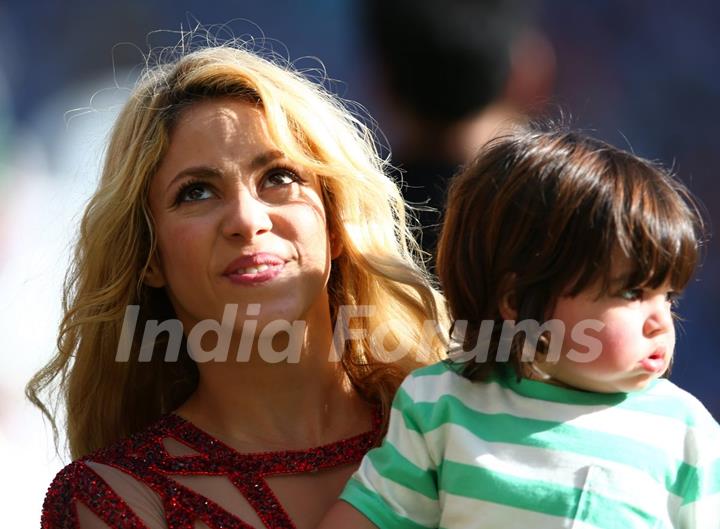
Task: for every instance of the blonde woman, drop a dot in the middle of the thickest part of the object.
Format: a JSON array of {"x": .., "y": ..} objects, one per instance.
[{"x": 245, "y": 300}]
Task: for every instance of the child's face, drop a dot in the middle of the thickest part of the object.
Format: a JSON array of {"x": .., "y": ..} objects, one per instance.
[{"x": 635, "y": 341}]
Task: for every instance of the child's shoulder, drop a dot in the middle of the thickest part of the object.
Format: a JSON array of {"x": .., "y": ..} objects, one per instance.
[
  {"x": 671, "y": 400},
  {"x": 449, "y": 372},
  {"x": 442, "y": 378},
  {"x": 442, "y": 368},
  {"x": 444, "y": 372}
]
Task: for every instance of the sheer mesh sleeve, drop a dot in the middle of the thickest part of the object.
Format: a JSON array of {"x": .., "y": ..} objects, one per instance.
[{"x": 86, "y": 495}]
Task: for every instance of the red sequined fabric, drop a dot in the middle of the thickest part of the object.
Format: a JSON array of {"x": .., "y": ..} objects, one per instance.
[{"x": 144, "y": 457}]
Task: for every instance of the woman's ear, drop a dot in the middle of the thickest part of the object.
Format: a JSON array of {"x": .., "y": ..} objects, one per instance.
[
  {"x": 507, "y": 303},
  {"x": 336, "y": 245},
  {"x": 154, "y": 276}
]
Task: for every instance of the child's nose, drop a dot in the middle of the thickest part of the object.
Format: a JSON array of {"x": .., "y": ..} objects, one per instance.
[
  {"x": 246, "y": 216},
  {"x": 659, "y": 317}
]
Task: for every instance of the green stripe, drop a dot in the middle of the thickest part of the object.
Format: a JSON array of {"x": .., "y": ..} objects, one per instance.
[
  {"x": 645, "y": 400},
  {"x": 373, "y": 507},
  {"x": 539, "y": 496},
  {"x": 705, "y": 482},
  {"x": 668, "y": 406},
  {"x": 424, "y": 417},
  {"x": 548, "y": 392},
  {"x": 406, "y": 406},
  {"x": 391, "y": 464}
]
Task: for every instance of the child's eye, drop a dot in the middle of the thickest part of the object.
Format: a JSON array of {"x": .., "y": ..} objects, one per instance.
[
  {"x": 631, "y": 294},
  {"x": 193, "y": 191},
  {"x": 280, "y": 177},
  {"x": 672, "y": 297}
]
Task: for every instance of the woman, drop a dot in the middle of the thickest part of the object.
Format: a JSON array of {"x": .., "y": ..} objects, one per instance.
[{"x": 243, "y": 277}]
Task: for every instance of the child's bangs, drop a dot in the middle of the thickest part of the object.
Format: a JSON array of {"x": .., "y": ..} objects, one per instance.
[
  {"x": 638, "y": 213},
  {"x": 657, "y": 228}
]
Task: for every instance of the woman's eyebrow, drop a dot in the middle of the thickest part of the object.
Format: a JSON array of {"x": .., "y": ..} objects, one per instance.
[
  {"x": 265, "y": 158},
  {"x": 204, "y": 171}
]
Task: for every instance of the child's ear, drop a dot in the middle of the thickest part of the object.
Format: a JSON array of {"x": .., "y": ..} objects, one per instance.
[
  {"x": 507, "y": 303},
  {"x": 154, "y": 276}
]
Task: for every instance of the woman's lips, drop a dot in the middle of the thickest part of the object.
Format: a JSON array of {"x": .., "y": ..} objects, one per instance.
[{"x": 254, "y": 268}]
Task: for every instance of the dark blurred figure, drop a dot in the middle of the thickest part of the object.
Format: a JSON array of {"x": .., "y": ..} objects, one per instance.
[{"x": 453, "y": 75}]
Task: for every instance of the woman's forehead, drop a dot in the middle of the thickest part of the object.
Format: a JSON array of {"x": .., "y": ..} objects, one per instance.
[
  {"x": 220, "y": 134},
  {"x": 230, "y": 117}
]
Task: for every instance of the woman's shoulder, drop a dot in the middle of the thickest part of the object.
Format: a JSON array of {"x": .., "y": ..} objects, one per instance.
[
  {"x": 80, "y": 496},
  {"x": 142, "y": 444},
  {"x": 111, "y": 485}
]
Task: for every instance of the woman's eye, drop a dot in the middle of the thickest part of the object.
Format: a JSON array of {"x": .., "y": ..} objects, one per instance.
[
  {"x": 193, "y": 192},
  {"x": 279, "y": 177},
  {"x": 631, "y": 294}
]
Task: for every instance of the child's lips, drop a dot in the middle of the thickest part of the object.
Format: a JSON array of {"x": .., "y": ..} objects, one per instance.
[{"x": 655, "y": 363}]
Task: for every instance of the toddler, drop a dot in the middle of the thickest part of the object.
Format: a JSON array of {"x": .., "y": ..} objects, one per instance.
[{"x": 561, "y": 258}]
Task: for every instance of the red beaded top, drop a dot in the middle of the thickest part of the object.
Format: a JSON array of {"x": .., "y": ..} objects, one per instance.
[{"x": 144, "y": 457}]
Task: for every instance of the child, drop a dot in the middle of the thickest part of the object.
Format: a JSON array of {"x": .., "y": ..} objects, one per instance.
[{"x": 568, "y": 424}]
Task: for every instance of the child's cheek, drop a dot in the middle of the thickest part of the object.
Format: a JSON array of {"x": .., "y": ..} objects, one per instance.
[{"x": 618, "y": 344}]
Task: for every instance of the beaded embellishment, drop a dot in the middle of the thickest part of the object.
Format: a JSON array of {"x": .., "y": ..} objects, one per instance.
[{"x": 144, "y": 457}]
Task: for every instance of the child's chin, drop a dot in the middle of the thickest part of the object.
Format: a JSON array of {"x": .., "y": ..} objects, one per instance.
[{"x": 637, "y": 383}]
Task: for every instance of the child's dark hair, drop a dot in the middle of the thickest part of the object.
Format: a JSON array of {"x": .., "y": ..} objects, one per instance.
[{"x": 540, "y": 214}]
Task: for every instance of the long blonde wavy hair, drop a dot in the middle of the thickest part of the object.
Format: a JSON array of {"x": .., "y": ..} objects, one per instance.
[{"x": 380, "y": 267}]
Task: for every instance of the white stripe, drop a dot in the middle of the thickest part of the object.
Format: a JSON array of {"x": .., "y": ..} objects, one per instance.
[
  {"x": 401, "y": 500},
  {"x": 467, "y": 513},
  {"x": 704, "y": 435},
  {"x": 615, "y": 481},
  {"x": 410, "y": 443},
  {"x": 704, "y": 513},
  {"x": 492, "y": 398},
  {"x": 703, "y": 445}
]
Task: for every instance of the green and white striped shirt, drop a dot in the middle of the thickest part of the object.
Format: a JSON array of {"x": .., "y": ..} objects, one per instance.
[{"x": 505, "y": 454}]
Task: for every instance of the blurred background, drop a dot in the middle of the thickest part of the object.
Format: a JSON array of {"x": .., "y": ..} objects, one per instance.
[{"x": 438, "y": 77}]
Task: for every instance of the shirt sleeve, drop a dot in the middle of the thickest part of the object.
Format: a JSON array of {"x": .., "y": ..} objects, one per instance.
[
  {"x": 396, "y": 484},
  {"x": 701, "y": 506},
  {"x": 701, "y": 496},
  {"x": 78, "y": 498}
]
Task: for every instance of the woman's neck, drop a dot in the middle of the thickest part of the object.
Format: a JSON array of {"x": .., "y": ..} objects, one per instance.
[{"x": 258, "y": 405}]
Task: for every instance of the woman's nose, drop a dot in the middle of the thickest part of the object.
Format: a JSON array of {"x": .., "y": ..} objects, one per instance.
[{"x": 246, "y": 216}]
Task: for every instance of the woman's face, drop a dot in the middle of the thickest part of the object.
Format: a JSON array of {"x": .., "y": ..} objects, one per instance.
[{"x": 237, "y": 222}]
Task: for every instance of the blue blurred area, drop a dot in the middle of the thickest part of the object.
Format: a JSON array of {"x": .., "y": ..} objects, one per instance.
[
  {"x": 646, "y": 75},
  {"x": 47, "y": 44},
  {"x": 640, "y": 74}
]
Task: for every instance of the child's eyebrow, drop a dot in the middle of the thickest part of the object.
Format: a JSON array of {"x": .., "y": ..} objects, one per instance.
[{"x": 620, "y": 280}]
